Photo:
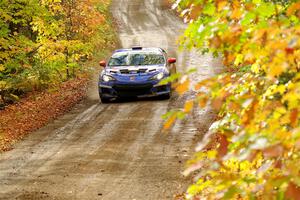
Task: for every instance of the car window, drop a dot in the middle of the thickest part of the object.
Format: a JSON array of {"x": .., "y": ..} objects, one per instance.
[
  {"x": 118, "y": 59},
  {"x": 136, "y": 59}
]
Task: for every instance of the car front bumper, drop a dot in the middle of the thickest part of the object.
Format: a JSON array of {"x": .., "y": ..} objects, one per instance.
[{"x": 133, "y": 90}]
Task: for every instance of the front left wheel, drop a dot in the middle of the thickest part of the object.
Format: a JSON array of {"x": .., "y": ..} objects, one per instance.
[
  {"x": 104, "y": 99},
  {"x": 166, "y": 96}
]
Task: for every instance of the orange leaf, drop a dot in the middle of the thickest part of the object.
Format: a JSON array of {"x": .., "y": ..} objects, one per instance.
[
  {"x": 195, "y": 12},
  {"x": 249, "y": 6},
  {"x": 170, "y": 122},
  {"x": 273, "y": 151},
  {"x": 223, "y": 148},
  {"x": 249, "y": 114},
  {"x": 204, "y": 83},
  {"x": 277, "y": 164},
  {"x": 217, "y": 103},
  {"x": 183, "y": 87},
  {"x": 215, "y": 42},
  {"x": 293, "y": 8},
  {"x": 289, "y": 50},
  {"x": 202, "y": 101},
  {"x": 294, "y": 117},
  {"x": 188, "y": 106},
  {"x": 234, "y": 106},
  {"x": 228, "y": 58},
  {"x": 252, "y": 156},
  {"x": 292, "y": 192},
  {"x": 236, "y": 12}
]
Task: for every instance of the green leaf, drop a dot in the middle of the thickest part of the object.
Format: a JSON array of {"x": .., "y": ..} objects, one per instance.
[
  {"x": 266, "y": 9},
  {"x": 248, "y": 19},
  {"x": 231, "y": 192},
  {"x": 192, "y": 70},
  {"x": 170, "y": 79},
  {"x": 209, "y": 9}
]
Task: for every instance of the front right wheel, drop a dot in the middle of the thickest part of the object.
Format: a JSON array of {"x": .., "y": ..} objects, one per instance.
[{"x": 104, "y": 99}]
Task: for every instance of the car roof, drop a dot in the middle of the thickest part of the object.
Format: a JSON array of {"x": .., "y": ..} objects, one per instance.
[{"x": 141, "y": 49}]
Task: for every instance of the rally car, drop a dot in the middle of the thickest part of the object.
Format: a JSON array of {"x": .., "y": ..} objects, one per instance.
[{"x": 135, "y": 72}]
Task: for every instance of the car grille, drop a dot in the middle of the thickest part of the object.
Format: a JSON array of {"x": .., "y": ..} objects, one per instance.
[
  {"x": 133, "y": 90},
  {"x": 126, "y": 71}
]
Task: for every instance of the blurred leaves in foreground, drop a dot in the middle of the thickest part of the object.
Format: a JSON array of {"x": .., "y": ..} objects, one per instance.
[{"x": 253, "y": 150}]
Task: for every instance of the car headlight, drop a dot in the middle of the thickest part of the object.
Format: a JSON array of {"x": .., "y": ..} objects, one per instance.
[
  {"x": 107, "y": 78},
  {"x": 158, "y": 76}
]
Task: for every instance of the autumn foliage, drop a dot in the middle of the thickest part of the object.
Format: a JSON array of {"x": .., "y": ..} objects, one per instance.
[
  {"x": 46, "y": 47},
  {"x": 256, "y": 153},
  {"x": 36, "y": 109},
  {"x": 45, "y": 42}
]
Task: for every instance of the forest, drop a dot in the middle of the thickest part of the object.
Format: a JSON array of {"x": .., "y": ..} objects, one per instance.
[{"x": 46, "y": 42}]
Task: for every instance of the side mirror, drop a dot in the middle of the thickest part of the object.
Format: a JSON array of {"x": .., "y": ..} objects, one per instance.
[
  {"x": 102, "y": 63},
  {"x": 171, "y": 60}
]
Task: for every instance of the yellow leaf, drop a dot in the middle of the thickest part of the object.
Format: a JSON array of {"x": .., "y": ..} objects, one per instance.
[
  {"x": 276, "y": 69},
  {"x": 238, "y": 59},
  {"x": 2, "y": 68},
  {"x": 236, "y": 13},
  {"x": 188, "y": 106},
  {"x": 205, "y": 83},
  {"x": 221, "y": 5},
  {"x": 212, "y": 154},
  {"x": 277, "y": 44},
  {"x": 2, "y": 84}
]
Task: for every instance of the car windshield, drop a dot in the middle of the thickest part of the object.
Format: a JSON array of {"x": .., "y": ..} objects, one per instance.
[{"x": 136, "y": 59}]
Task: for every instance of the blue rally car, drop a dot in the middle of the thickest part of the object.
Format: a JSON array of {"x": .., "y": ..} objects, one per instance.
[{"x": 135, "y": 72}]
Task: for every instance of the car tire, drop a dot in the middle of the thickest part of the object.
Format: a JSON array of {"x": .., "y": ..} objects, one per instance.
[
  {"x": 104, "y": 100},
  {"x": 166, "y": 96}
]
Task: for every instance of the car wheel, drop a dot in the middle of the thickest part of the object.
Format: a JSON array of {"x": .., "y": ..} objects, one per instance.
[
  {"x": 104, "y": 100},
  {"x": 166, "y": 96}
]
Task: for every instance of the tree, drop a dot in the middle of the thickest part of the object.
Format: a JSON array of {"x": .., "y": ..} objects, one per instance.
[
  {"x": 45, "y": 42},
  {"x": 254, "y": 153}
]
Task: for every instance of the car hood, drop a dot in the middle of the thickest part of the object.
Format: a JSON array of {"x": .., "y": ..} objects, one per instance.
[{"x": 129, "y": 70}]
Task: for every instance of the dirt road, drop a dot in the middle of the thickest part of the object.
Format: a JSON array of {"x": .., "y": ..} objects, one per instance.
[{"x": 113, "y": 151}]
